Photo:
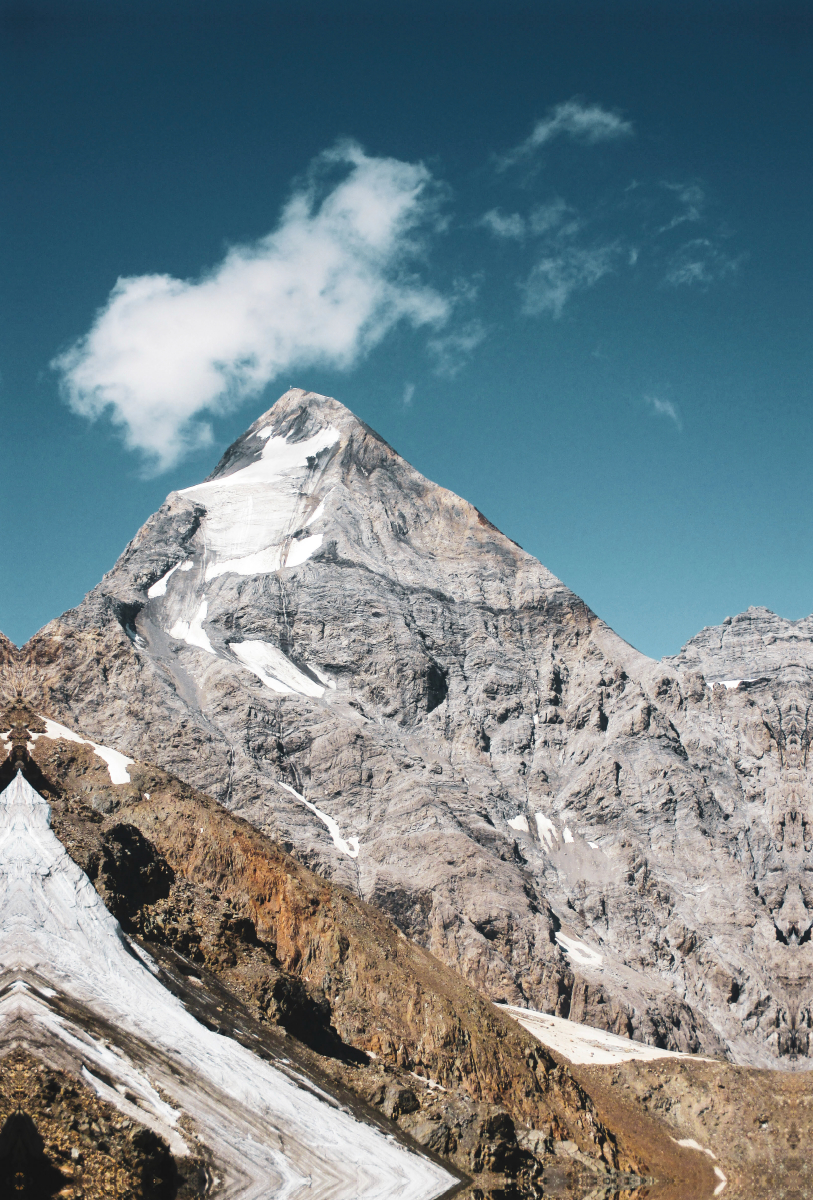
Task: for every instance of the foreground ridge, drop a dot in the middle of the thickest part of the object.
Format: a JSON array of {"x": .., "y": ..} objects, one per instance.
[{"x": 75, "y": 994}]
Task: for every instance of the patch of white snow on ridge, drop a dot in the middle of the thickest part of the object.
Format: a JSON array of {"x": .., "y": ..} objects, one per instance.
[
  {"x": 301, "y": 549},
  {"x": 520, "y": 822},
  {"x": 326, "y": 680},
  {"x": 349, "y": 847},
  {"x": 117, "y": 762},
  {"x": 270, "y": 1131},
  {"x": 728, "y": 684},
  {"x": 580, "y": 952},
  {"x": 691, "y": 1144},
  {"x": 192, "y": 632},
  {"x": 567, "y": 835},
  {"x": 582, "y": 1044},
  {"x": 251, "y": 514},
  {"x": 159, "y": 588},
  {"x": 261, "y": 563},
  {"x": 547, "y": 830},
  {"x": 320, "y": 512},
  {"x": 273, "y": 669}
]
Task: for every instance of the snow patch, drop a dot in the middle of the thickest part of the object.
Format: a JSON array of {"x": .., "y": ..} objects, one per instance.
[
  {"x": 251, "y": 514},
  {"x": 567, "y": 835},
  {"x": 192, "y": 632},
  {"x": 691, "y": 1144},
  {"x": 547, "y": 830},
  {"x": 581, "y": 953},
  {"x": 520, "y": 822},
  {"x": 320, "y": 512},
  {"x": 117, "y": 762},
  {"x": 273, "y": 558},
  {"x": 273, "y": 669},
  {"x": 302, "y": 549},
  {"x": 581, "y": 1044},
  {"x": 326, "y": 680},
  {"x": 349, "y": 847},
  {"x": 727, "y": 683},
  {"x": 159, "y": 588}
]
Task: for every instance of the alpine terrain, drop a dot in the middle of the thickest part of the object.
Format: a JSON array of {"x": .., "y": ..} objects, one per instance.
[{"x": 346, "y": 849}]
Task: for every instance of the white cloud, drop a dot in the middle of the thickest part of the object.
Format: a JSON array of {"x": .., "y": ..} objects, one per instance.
[
  {"x": 558, "y": 275},
  {"x": 453, "y": 350},
  {"x": 664, "y": 408},
  {"x": 320, "y": 290},
  {"x": 700, "y": 262},
  {"x": 588, "y": 123},
  {"x": 692, "y": 200},
  {"x": 510, "y": 226},
  {"x": 409, "y": 395},
  {"x": 546, "y": 217}
]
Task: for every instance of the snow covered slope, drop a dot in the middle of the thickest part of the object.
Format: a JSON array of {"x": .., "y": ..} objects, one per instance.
[
  {"x": 583, "y": 1045},
  {"x": 73, "y": 991}
]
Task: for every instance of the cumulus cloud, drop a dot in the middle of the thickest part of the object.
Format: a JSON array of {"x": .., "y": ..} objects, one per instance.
[
  {"x": 589, "y": 123},
  {"x": 558, "y": 275},
  {"x": 321, "y": 289},
  {"x": 664, "y": 408}
]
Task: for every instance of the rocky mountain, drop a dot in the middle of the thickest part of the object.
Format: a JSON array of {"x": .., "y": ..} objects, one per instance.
[{"x": 356, "y": 663}]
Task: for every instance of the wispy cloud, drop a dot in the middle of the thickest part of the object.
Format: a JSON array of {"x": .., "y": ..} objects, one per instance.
[
  {"x": 408, "y": 395},
  {"x": 452, "y": 350},
  {"x": 692, "y": 204},
  {"x": 589, "y": 123},
  {"x": 547, "y": 217},
  {"x": 322, "y": 289},
  {"x": 511, "y": 226},
  {"x": 664, "y": 408},
  {"x": 557, "y": 276},
  {"x": 701, "y": 262}
]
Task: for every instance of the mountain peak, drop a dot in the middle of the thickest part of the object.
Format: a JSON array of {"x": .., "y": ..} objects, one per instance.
[
  {"x": 296, "y": 417},
  {"x": 754, "y": 643}
]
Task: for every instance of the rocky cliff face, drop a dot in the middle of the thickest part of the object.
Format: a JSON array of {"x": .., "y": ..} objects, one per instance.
[{"x": 360, "y": 665}]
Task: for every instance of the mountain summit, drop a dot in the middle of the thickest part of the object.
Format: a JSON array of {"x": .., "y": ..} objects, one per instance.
[{"x": 358, "y": 663}]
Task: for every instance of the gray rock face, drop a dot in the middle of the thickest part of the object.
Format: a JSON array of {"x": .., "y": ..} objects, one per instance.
[{"x": 359, "y": 663}]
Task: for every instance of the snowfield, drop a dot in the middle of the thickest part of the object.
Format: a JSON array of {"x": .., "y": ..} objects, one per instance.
[{"x": 581, "y": 1044}]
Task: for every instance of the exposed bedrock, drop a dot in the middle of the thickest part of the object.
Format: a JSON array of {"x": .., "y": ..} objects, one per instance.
[{"x": 359, "y": 664}]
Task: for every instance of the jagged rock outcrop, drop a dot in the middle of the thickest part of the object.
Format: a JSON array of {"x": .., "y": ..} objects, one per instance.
[{"x": 360, "y": 665}]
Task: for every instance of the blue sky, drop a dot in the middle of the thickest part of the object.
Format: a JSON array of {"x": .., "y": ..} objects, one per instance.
[{"x": 559, "y": 255}]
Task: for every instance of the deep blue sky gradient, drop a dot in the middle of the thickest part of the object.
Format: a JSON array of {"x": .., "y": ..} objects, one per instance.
[{"x": 141, "y": 138}]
